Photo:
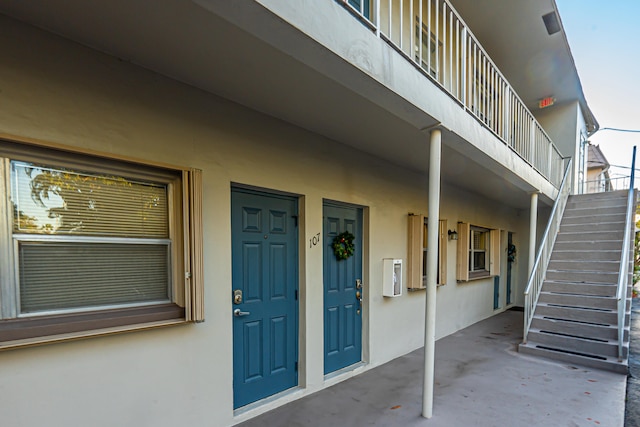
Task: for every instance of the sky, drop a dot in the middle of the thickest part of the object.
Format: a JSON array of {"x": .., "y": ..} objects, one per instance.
[{"x": 604, "y": 36}]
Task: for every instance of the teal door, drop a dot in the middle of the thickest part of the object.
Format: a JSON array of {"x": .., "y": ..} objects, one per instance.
[
  {"x": 511, "y": 257},
  {"x": 342, "y": 305},
  {"x": 362, "y": 6},
  {"x": 264, "y": 245}
]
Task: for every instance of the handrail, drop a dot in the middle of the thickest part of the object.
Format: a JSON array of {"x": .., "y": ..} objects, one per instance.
[
  {"x": 534, "y": 285},
  {"x": 439, "y": 43},
  {"x": 623, "y": 275}
]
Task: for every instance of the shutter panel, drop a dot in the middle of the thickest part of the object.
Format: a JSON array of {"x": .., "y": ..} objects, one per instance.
[
  {"x": 442, "y": 253},
  {"x": 462, "y": 260},
  {"x": 194, "y": 246},
  {"x": 494, "y": 253},
  {"x": 414, "y": 264}
]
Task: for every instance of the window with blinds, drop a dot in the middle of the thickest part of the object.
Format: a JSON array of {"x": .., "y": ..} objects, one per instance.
[
  {"x": 106, "y": 238},
  {"x": 88, "y": 240}
]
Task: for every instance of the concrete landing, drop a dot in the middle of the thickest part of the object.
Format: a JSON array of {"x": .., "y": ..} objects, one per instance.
[{"x": 481, "y": 381}]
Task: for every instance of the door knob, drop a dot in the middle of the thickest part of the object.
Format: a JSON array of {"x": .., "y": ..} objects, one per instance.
[{"x": 239, "y": 313}]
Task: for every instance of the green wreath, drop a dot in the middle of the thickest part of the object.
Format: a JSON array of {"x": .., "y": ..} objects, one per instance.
[{"x": 343, "y": 246}]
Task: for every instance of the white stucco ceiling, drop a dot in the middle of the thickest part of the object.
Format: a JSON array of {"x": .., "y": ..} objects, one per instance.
[
  {"x": 179, "y": 39},
  {"x": 537, "y": 64}
]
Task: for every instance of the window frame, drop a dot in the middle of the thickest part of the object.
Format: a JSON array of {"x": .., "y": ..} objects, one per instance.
[
  {"x": 184, "y": 247},
  {"x": 432, "y": 45},
  {"x": 485, "y": 250},
  {"x": 465, "y": 251}
]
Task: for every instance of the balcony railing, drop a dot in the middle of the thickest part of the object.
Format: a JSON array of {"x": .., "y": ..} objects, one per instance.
[
  {"x": 539, "y": 270},
  {"x": 605, "y": 183},
  {"x": 431, "y": 35},
  {"x": 625, "y": 269}
]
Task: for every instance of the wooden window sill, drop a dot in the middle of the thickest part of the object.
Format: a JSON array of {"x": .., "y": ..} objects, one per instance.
[{"x": 45, "y": 327}]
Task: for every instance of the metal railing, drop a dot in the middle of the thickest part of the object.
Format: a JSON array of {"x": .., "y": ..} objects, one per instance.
[
  {"x": 534, "y": 285},
  {"x": 431, "y": 35},
  {"x": 606, "y": 183},
  {"x": 623, "y": 274}
]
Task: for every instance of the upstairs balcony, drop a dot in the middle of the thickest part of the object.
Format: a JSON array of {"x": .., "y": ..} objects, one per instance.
[
  {"x": 431, "y": 35},
  {"x": 371, "y": 74}
]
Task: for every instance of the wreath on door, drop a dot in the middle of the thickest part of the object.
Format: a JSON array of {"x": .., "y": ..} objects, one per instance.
[{"x": 343, "y": 246}]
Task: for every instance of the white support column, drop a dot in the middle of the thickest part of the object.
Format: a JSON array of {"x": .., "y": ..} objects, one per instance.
[
  {"x": 432, "y": 268},
  {"x": 533, "y": 222}
]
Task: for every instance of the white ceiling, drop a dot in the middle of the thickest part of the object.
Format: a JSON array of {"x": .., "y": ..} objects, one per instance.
[{"x": 179, "y": 39}]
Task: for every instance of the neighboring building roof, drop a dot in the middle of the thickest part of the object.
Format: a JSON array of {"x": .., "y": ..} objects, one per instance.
[{"x": 596, "y": 159}]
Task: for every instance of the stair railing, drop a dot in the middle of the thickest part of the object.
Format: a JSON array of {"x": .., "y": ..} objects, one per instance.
[
  {"x": 534, "y": 285},
  {"x": 623, "y": 275}
]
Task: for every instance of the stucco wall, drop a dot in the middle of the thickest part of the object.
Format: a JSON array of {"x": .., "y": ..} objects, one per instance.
[
  {"x": 60, "y": 92},
  {"x": 565, "y": 123}
]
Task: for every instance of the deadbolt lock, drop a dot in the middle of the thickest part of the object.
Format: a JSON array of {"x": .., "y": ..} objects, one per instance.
[{"x": 237, "y": 296}]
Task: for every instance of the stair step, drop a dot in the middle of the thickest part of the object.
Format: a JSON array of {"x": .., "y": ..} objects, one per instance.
[
  {"x": 582, "y": 345},
  {"x": 598, "y": 196},
  {"x": 593, "y": 219},
  {"x": 596, "y": 203},
  {"x": 593, "y": 226},
  {"x": 593, "y": 361},
  {"x": 585, "y": 277},
  {"x": 583, "y": 314},
  {"x": 583, "y": 266},
  {"x": 576, "y": 300},
  {"x": 608, "y": 245},
  {"x": 576, "y": 328},
  {"x": 611, "y": 206},
  {"x": 586, "y": 255},
  {"x": 590, "y": 236},
  {"x": 605, "y": 290},
  {"x": 573, "y": 211}
]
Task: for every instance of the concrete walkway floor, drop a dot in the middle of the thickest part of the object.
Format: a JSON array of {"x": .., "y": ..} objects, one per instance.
[{"x": 481, "y": 380}]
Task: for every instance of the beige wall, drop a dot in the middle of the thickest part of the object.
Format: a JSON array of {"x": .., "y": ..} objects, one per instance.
[
  {"x": 59, "y": 92},
  {"x": 564, "y": 123}
]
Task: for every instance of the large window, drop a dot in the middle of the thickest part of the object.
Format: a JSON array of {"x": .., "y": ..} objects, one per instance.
[
  {"x": 478, "y": 253},
  {"x": 90, "y": 244}
]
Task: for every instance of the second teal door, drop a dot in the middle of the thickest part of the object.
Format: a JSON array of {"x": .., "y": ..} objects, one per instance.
[{"x": 342, "y": 303}]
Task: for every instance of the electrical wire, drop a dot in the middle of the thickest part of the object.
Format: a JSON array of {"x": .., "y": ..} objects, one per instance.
[
  {"x": 623, "y": 167},
  {"x": 622, "y": 130}
]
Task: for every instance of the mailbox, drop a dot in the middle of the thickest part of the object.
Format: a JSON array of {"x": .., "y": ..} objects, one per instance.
[{"x": 391, "y": 277}]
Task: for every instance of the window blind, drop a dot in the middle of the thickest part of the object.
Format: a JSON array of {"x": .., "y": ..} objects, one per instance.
[
  {"x": 64, "y": 276},
  {"x": 57, "y": 201}
]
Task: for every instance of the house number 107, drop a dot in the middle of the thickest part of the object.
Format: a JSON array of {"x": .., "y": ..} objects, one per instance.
[{"x": 314, "y": 241}]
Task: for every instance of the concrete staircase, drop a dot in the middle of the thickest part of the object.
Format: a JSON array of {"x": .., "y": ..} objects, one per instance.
[{"x": 576, "y": 317}]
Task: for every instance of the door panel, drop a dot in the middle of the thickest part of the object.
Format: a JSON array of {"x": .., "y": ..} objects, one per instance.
[
  {"x": 342, "y": 310},
  {"x": 264, "y": 268}
]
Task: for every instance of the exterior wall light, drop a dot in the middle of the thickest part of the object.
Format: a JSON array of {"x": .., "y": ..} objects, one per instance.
[{"x": 453, "y": 235}]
